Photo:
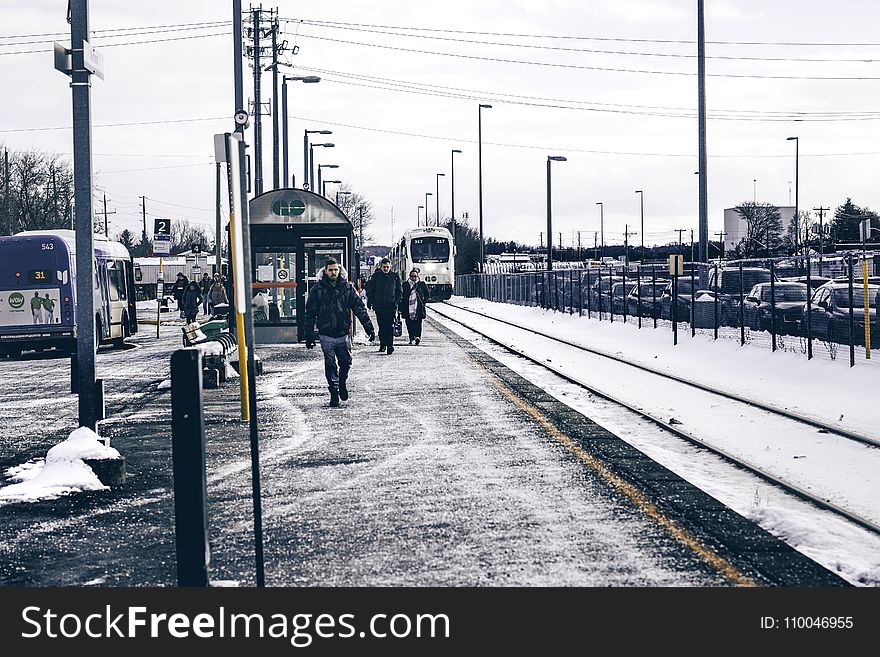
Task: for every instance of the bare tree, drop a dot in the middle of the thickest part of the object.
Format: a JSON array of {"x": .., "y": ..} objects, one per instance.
[
  {"x": 185, "y": 235},
  {"x": 358, "y": 209},
  {"x": 36, "y": 192},
  {"x": 763, "y": 229}
]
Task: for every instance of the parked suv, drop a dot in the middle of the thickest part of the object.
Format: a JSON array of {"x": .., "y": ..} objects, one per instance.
[
  {"x": 649, "y": 306},
  {"x": 829, "y": 313},
  {"x": 730, "y": 288},
  {"x": 593, "y": 292},
  {"x": 683, "y": 312},
  {"x": 784, "y": 304}
]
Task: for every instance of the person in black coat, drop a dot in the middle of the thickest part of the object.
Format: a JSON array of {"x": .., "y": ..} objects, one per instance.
[
  {"x": 412, "y": 305},
  {"x": 329, "y": 306},
  {"x": 178, "y": 289},
  {"x": 383, "y": 296}
]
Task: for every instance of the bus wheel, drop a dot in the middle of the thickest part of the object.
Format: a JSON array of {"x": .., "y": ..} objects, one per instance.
[{"x": 126, "y": 333}]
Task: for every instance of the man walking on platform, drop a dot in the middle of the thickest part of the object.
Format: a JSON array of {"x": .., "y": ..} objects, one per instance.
[
  {"x": 330, "y": 304},
  {"x": 383, "y": 296}
]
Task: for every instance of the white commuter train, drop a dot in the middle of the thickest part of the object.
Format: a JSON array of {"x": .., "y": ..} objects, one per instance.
[{"x": 431, "y": 250}]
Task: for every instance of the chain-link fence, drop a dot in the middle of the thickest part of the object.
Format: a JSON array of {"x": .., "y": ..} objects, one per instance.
[{"x": 821, "y": 307}]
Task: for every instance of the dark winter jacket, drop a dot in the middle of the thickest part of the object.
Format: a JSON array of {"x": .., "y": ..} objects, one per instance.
[
  {"x": 192, "y": 299},
  {"x": 205, "y": 284},
  {"x": 179, "y": 287},
  {"x": 330, "y": 306},
  {"x": 217, "y": 294},
  {"x": 383, "y": 291},
  {"x": 422, "y": 295}
]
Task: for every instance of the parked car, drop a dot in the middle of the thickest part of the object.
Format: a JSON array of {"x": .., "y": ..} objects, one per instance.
[
  {"x": 619, "y": 293},
  {"x": 594, "y": 293},
  {"x": 830, "y": 313},
  {"x": 815, "y": 281},
  {"x": 730, "y": 288},
  {"x": 651, "y": 294},
  {"x": 683, "y": 312},
  {"x": 781, "y": 307}
]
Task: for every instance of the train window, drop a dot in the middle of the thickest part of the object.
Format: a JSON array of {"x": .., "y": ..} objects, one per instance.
[{"x": 430, "y": 249}]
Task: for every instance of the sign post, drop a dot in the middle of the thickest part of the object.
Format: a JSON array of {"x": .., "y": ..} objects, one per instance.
[{"x": 161, "y": 246}]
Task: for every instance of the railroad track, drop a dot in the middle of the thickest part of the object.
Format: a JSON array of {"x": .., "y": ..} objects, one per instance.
[{"x": 672, "y": 428}]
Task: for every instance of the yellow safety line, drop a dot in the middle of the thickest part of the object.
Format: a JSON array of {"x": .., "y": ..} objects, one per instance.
[{"x": 724, "y": 567}]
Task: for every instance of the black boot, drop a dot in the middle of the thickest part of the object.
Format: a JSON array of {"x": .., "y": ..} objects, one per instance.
[
  {"x": 390, "y": 350},
  {"x": 343, "y": 388},
  {"x": 334, "y": 397}
]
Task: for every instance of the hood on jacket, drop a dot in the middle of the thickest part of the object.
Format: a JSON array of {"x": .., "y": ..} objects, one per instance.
[{"x": 343, "y": 274}]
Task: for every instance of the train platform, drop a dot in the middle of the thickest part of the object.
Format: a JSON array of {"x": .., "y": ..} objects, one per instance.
[{"x": 444, "y": 468}]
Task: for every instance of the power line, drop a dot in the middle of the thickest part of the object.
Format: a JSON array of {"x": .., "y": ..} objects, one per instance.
[
  {"x": 120, "y": 125},
  {"x": 128, "y": 43},
  {"x": 170, "y": 27}
]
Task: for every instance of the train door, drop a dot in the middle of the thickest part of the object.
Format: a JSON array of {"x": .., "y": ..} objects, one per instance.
[{"x": 313, "y": 255}]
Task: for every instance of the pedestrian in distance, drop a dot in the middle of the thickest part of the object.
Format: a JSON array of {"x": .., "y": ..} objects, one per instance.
[
  {"x": 205, "y": 287},
  {"x": 191, "y": 300},
  {"x": 383, "y": 296},
  {"x": 48, "y": 309},
  {"x": 330, "y": 304},
  {"x": 178, "y": 289},
  {"x": 37, "y": 308},
  {"x": 413, "y": 305},
  {"x": 217, "y": 293}
]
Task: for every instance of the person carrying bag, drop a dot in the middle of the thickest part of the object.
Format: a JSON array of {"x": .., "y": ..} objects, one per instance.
[{"x": 413, "y": 305}]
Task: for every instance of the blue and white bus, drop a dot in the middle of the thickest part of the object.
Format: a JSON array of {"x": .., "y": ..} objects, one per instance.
[{"x": 38, "y": 292}]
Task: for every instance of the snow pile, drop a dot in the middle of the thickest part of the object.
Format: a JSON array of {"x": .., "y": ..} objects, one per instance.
[
  {"x": 63, "y": 472},
  {"x": 164, "y": 385}
]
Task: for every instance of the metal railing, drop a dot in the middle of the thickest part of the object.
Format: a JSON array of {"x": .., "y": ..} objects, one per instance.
[{"x": 803, "y": 305}]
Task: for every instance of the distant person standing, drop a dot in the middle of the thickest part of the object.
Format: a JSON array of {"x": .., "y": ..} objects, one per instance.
[
  {"x": 413, "y": 305},
  {"x": 48, "y": 309},
  {"x": 205, "y": 287},
  {"x": 191, "y": 300},
  {"x": 383, "y": 296},
  {"x": 217, "y": 293},
  {"x": 331, "y": 302},
  {"x": 178, "y": 289},
  {"x": 37, "y": 308}
]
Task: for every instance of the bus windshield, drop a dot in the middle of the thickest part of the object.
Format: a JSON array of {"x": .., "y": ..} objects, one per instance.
[{"x": 429, "y": 249}]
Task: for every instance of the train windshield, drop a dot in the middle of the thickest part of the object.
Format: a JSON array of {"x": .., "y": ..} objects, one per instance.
[{"x": 429, "y": 249}]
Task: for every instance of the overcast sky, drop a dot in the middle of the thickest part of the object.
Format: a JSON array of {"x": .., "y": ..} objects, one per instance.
[{"x": 624, "y": 121}]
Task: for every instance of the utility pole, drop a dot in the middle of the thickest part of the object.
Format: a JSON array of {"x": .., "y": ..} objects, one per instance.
[
  {"x": 541, "y": 240},
  {"x": 361, "y": 226},
  {"x": 680, "y": 231},
  {"x": 595, "y": 245},
  {"x": 560, "y": 245},
  {"x": 258, "y": 125},
  {"x": 692, "y": 244},
  {"x": 275, "y": 156},
  {"x": 701, "y": 133},
  {"x": 821, "y": 212},
  {"x": 626, "y": 235},
  {"x": 721, "y": 235},
  {"x": 579, "y": 246},
  {"x": 144, "y": 214},
  {"x": 218, "y": 224},
  {"x": 105, "y": 213}
]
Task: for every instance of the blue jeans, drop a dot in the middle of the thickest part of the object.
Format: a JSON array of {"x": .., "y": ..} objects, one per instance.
[{"x": 336, "y": 349}]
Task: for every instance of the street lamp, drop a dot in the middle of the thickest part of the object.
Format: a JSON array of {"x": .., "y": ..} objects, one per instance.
[
  {"x": 419, "y": 215},
  {"x": 452, "y": 190},
  {"x": 602, "y": 225},
  {"x": 480, "y": 109},
  {"x": 427, "y": 194},
  {"x": 550, "y": 158},
  {"x": 328, "y": 182},
  {"x": 306, "y": 177},
  {"x": 312, "y": 148},
  {"x": 308, "y": 79},
  {"x": 437, "y": 200},
  {"x": 324, "y": 166},
  {"x": 796, "y": 218},
  {"x": 339, "y": 191},
  {"x": 642, "y": 208}
]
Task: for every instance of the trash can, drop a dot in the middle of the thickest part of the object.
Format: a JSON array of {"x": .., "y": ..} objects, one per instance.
[{"x": 704, "y": 311}]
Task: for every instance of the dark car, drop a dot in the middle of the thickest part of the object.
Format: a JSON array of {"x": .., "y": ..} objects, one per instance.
[
  {"x": 683, "y": 312},
  {"x": 730, "y": 288},
  {"x": 594, "y": 293},
  {"x": 651, "y": 294},
  {"x": 619, "y": 293},
  {"x": 815, "y": 281},
  {"x": 781, "y": 307},
  {"x": 830, "y": 313}
]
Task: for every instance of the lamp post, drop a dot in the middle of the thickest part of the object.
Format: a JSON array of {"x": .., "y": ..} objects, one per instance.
[
  {"x": 324, "y": 166},
  {"x": 324, "y": 187},
  {"x": 308, "y": 79},
  {"x": 452, "y": 190},
  {"x": 312, "y": 148},
  {"x": 339, "y": 191},
  {"x": 602, "y": 225},
  {"x": 419, "y": 215},
  {"x": 437, "y": 200},
  {"x": 550, "y": 158},
  {"x": 642, "y": 210},
  {"x": 480, "y": 109},
  {"x": 306, "y": 160},
  {"x": 796, "y": 217},
  {"x": 427, "y": 194}
]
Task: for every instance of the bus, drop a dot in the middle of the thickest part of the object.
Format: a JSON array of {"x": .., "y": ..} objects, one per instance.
[
  {"x": 38, "y": 292},
  {"x": 430, "y": 250}
]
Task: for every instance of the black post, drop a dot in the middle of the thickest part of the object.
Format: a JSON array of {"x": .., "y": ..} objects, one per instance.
[
  {"x": 611, "y": 292},
  {"x": 625, "y": 267},
  {"x": 639, "y": 292},
  {"x": 716, "y": 300},
  {"x": 772, "y": 307},
  {"x": 589, "y": 296},
  {"x": 654, "y": 291},
  {"x": 580, "y": 294},
  {"x": 810, "y": 309},
  {"x": 675, "y": 307},
  {"x": 571, "y": 292},
  {"x": 852, "y": 342},
  {"x": 742, "y": 314},
  {"x": 600, "y": 292},
  {"x": 188, "y": 457},
  {"x": 693, "y": 295}
]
